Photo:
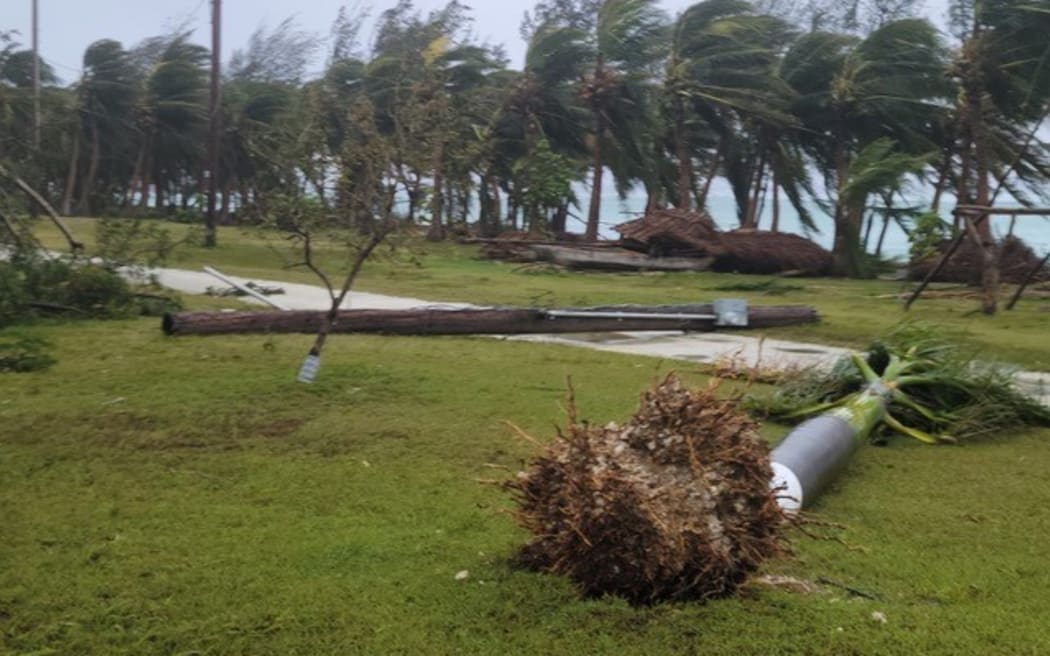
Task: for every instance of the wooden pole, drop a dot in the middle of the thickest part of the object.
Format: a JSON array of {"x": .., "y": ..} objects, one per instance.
[
  {"x": 940, "y": 265},
  {"x": 215, "y": 122},
  {"x": 980, "y": 210},
  {"x": 1027, "y": 279},
  {"x": 491, "y": 321},
  {"x": 36, "y": 76}
]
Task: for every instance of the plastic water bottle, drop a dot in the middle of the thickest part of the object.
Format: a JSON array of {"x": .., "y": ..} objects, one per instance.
[{"x": 308, "y": 372}]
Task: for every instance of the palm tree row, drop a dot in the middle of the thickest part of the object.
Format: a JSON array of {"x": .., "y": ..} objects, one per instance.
[{"x": 839, "y": 120}]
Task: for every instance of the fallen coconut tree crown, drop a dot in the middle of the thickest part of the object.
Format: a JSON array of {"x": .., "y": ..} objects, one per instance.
[{"x": 675, "y": 504}]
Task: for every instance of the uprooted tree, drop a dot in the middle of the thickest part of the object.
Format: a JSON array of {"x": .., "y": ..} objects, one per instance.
[
  {"x": 674, "y": 504},
  {"x": 685, "y": 501}
]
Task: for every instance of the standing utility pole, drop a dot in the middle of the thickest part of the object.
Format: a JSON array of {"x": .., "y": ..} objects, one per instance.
[
  {"x": 215, "y": 122},
  {"x": 36, "y": 77}
]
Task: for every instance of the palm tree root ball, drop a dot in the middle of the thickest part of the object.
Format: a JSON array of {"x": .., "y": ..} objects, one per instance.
[{"x": 673, "y": 505}]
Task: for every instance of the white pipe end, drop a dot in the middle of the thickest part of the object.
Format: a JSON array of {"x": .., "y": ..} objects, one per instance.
[{"x": 787, "y": 488}]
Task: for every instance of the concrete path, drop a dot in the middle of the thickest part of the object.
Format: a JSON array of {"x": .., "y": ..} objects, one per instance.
[{"x": 710, "y": 348}]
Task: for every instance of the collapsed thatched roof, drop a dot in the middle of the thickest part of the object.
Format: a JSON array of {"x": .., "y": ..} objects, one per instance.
[
  {"x": 763, "y": 252},
  {"x": 1016, "y": 259},
  {"x": 669, "y": 232},
  {"x": 676, "y": 232}
]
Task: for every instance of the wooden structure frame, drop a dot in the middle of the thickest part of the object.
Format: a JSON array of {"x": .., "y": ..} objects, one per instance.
[{"x": 982, "y": 213}]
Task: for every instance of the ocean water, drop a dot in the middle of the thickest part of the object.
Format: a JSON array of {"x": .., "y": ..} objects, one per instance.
[{"x": 1034, "y": 230}]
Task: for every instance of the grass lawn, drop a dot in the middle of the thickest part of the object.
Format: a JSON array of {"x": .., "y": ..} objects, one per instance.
[
  {"x": 853, "y": 311},
  {"x": 185, "y": 496}
]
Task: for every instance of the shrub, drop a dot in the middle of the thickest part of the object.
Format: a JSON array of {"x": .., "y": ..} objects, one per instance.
[
  {"x": 98, "y": 292},
  {"x": 22, "y": 354}
]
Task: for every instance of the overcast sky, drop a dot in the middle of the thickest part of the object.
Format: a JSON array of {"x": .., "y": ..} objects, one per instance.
[{"x": 68, "y": 26}]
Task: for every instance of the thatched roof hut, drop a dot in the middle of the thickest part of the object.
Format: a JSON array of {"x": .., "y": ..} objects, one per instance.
[
  {"x": 669, "y": 232},
  {"x": 1016, "y": 259}
]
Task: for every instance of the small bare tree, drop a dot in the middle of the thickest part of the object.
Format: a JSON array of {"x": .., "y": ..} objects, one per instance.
[{"x": 353, "y": 227}]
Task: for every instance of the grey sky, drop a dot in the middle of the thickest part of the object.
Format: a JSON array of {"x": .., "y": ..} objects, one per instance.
[{"x": 68, "y": 26}]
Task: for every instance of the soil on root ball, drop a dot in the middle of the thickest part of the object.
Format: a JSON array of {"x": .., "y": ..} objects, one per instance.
[{"x": 675, "y": 504}]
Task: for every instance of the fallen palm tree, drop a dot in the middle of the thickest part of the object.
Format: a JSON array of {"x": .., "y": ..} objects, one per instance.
[
  {"x": 674, "y": 504},
  {"x": 683, "y": 501},
  {"x": 499, "y": 321},
  {"x": 910, "y": 384}
]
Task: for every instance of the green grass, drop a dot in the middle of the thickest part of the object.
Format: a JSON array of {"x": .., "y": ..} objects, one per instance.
[
  {"x": 185, "y": 496},
  {"x": 853, "y": 311}
]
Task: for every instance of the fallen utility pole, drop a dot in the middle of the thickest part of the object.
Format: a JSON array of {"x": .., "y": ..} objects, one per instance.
[{"x": 485, "y": 321}]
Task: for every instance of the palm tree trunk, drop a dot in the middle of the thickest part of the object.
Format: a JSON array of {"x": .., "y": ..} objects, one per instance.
[
  {"x": 685, "y": 161},
  {"x": 89, "y": 180},
  {"x": 989, "y": 252},
  {"x": 437, "y": 202},
  {"x": 497, "y": 208},
  {"x": 776, "y": 202},
  {"x": 145, "y": 178},
  {"x": 942, "y": 181},
  {"x": 882, "y": 235},
  {"x": 847, "y": 220},
  {"x": 71, "y": 179},
  {"x": 751, "y": 217},
  {"x": 594, "y": 215},
  {"x": 129, "y": 191},
  {"x": 712, "y": 171},
  {"x": 224, "y": 209}
]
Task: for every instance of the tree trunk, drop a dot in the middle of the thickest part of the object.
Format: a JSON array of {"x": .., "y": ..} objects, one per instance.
[
  {"x": 595, "y": 212},
  {"x": 224, "y": 210},
  {"x": 561, "y": 219},
  {"x": 776, "y": 202},
  {"x": 437, "y": 201},
  {"x": 983, "y": 233},
  {"x": 942, "y": 181},
  {"x": 685, "y": 161},
  {"x": 751, "y": 217},
  {"x": 136, "y": 175},
  {"x": 882, "y": 236},
  {"x": 41, "y": 202},
  {"x": 71, "y": 179},
  {"x": 867, "y": 224},
  {"x": 712, "y": 172},
  {"x": 885, "y": 225},
  {"x": 145, "y": 180},
  {"x": 497, "y": 209},
  {"x": 847, "y": 219},
  {"x": 88, "y": 190}
]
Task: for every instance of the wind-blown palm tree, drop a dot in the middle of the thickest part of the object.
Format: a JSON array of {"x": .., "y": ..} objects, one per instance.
[
  {"x": 107, "y": 98},
  {"x": 173, "y": 116},
  {"x": 722, "y": 75},
  {"x": 850, "y": 93},
  {"x": 542, "y": 105},
  {"x": 628, "y": 41},
  {"x": 1003, "y": 71}
]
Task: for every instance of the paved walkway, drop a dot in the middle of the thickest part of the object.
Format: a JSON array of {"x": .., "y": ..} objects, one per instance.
[{"x": 747, "y": 350}]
